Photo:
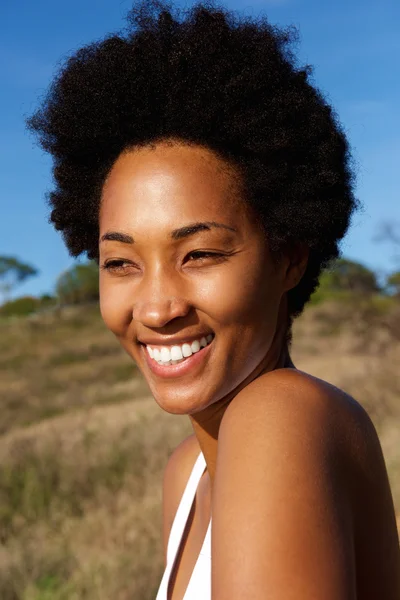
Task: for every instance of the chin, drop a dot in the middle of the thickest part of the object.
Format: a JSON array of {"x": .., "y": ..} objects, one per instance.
[
  {"x": 176, "y": 405},
  {"x": 173, "y": 408}
]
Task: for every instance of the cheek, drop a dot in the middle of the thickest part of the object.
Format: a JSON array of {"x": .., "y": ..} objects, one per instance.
[
  {"x": 247, "y": 314},
  {"x": 245, "y": 296},
  {"x": 114, "y": 309}
]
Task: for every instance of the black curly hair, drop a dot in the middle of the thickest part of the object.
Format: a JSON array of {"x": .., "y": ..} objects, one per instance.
[{"x": 214, "y": 79}]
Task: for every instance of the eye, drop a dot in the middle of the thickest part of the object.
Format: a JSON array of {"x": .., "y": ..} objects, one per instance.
[
  {"x": 116, "y": 266},
  {"x": 200, "y": 255},
  {"x": 121, "y": 267}
]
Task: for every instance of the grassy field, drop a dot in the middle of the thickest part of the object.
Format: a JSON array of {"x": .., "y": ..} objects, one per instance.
[{"x": 83, "y": 447}]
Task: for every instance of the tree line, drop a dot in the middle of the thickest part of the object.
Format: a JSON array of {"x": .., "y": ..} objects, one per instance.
[
  {"x": 77, "y": 285},
  {"x": 80, "y": 285}
]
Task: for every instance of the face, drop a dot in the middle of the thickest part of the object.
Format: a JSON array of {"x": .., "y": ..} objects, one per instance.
[{"x": 165, "y": 280}]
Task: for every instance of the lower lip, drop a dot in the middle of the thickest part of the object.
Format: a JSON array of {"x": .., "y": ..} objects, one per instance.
[{"x": 170, "y": 371}]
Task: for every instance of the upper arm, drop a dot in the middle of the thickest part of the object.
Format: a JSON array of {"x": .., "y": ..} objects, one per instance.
[
  {"x": 282, "y": 525},
  {"x": 176, "y": 474}
]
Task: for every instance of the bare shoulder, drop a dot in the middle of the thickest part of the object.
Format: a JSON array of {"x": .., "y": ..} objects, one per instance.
[
  {"x": 295, "y": 403},
  {"x": 291, "y": 421},
  {"x": 176, "y": 475},
  {"x": 290, "y": 449},
  {"x": 304, "y": 417}
]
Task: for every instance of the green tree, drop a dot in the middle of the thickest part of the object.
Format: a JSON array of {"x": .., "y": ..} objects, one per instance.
[
  {"x": 12, "y": 273},
  {"x": 79, "y": 284},
  {"x": 349, "y": 276},
  {"x": 25, "y": 305},
  {"x": 393, "y": 283},
  {"x": 343, "y": 279}
]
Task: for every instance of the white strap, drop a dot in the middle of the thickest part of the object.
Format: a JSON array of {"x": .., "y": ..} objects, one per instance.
[{"x": 182, "y": 514}]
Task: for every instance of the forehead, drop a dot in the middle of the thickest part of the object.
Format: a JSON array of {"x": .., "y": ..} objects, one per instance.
[{"x": 169, "y": 185}]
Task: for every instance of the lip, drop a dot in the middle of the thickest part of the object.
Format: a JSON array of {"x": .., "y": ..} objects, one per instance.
[{"x": 192, "y": 363}]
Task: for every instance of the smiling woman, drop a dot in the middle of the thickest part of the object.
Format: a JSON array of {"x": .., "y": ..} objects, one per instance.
[{"x": 195, "y": 162}]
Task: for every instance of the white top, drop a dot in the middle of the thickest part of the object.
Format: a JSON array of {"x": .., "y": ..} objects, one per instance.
[{"x": 199, "y": 586}]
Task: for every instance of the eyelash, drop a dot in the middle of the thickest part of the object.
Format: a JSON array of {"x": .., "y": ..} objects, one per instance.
[{"x": 115, "y": 265}]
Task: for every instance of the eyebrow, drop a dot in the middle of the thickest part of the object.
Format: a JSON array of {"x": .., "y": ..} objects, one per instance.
[{"x": 176, "y": 234}]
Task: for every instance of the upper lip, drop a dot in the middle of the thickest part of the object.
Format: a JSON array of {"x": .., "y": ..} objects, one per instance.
[{"x": 172, "y": 341}]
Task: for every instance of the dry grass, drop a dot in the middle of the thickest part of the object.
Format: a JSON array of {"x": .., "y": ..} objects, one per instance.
[
  {"x": 83, "y": 448},
  {"x": 61, "y": 363},
  {"x": 81, "y": 501}
]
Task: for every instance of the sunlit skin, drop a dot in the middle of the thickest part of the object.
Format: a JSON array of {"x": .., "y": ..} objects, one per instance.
[{"x": 160, "y": 289}]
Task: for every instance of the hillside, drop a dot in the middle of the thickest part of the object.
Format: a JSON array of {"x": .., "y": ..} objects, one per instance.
[{"x": 83, "y": 447}]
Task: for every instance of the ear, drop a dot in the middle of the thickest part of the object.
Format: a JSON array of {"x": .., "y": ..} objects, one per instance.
[{"x": 296, "y": 263}]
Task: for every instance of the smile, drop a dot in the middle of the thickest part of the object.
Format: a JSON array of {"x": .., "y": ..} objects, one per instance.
[
  {"x": 176, "y": 354},
  {"x": 171, "y": 367}
]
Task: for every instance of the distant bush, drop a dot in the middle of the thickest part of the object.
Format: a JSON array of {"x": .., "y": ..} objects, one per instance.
[
  {"x": 79, "y": 284},
  {"x": 343, "y": 280},
  {"x": 20, "y": 307},
  {"x": 323, "y": 294},
  {"x": 393, "y": 284},
  {"x": 26, "y": 305}
]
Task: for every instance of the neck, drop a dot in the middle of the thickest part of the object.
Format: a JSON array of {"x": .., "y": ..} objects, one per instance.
[{"x": 207, "y": 423}]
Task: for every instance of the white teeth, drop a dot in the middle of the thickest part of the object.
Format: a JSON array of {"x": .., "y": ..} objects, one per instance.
[
  {"x": 165, "y": 354},
  {"x": 195, "y": 346},
  {"x": 186, "y": 350},
  {"x": 176, "y": 353}
]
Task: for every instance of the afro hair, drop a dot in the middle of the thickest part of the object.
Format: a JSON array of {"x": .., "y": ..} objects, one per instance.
[{"x": 207, "y": 77}]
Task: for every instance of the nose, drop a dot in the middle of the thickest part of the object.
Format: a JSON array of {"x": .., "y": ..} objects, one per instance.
[{"x": 159, "y": 298}]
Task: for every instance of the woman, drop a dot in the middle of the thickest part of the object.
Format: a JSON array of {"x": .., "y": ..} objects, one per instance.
[{"x": 212, "y": 182}]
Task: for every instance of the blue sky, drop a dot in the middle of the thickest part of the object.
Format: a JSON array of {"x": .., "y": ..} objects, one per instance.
[{"x": 353, "y": 45}]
